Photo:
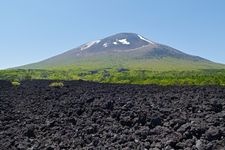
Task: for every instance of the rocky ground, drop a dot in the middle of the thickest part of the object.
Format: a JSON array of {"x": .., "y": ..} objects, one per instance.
[{"x": 83, "y": 115}]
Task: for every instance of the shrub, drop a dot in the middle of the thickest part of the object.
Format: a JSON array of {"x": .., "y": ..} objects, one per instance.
[
  {"x": 56, "y": 84},
  {"x": 15, "y": 83}
]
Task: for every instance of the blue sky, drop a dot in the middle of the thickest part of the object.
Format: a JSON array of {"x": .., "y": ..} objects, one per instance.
[{"x": 32, "y": 30}]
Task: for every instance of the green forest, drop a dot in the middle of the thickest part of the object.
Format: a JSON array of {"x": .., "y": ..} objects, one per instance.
[{"x": 121, "y": 75}]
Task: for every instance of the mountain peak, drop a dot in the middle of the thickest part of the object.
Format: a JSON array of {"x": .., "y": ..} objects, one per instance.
[
  {"x": 131, "y": 35},
  {"x": 120, "y": 41}
]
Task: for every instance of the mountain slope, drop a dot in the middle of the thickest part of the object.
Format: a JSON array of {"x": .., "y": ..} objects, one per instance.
[{"x": 127, "y": 50}]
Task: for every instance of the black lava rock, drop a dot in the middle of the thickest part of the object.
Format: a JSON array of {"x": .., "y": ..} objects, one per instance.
[{"x": 86, "y": 115}]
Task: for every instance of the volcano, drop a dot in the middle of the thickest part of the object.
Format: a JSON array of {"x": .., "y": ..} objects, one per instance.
[{"x": 127, "y": 50}]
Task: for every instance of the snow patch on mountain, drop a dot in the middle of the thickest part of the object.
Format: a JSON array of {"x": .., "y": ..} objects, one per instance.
[
  {"x": 105, "y": 45},
  {"x": 142, "y": 38},
  {"x": 124, "y": 41},
  {"x": 115, "y": 43},
  {"x": 88, "y": 45}
]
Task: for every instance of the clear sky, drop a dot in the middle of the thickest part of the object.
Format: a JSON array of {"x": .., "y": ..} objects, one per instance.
[{"x": 32, "y": 30}]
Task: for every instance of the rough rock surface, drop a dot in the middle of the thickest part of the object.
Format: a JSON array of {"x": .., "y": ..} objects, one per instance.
[{"x": 84, "y": 115}]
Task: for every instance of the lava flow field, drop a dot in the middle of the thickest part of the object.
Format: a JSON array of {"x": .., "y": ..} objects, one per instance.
[{"x": 86, "y": 115}]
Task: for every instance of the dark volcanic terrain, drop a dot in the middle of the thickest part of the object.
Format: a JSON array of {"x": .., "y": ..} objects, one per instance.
[{"x": 84, "y": 115}]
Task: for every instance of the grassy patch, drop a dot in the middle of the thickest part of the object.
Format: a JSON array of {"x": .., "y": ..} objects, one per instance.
[
  {"x": 15, "y": 83},
  {"x": 56, "y": 84}
]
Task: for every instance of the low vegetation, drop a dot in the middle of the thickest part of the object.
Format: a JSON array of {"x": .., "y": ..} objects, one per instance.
[
  {"x": 121, "y": 75},
  {"x": 15, "y": 83},
  {"x": 56, "y": 84}
]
